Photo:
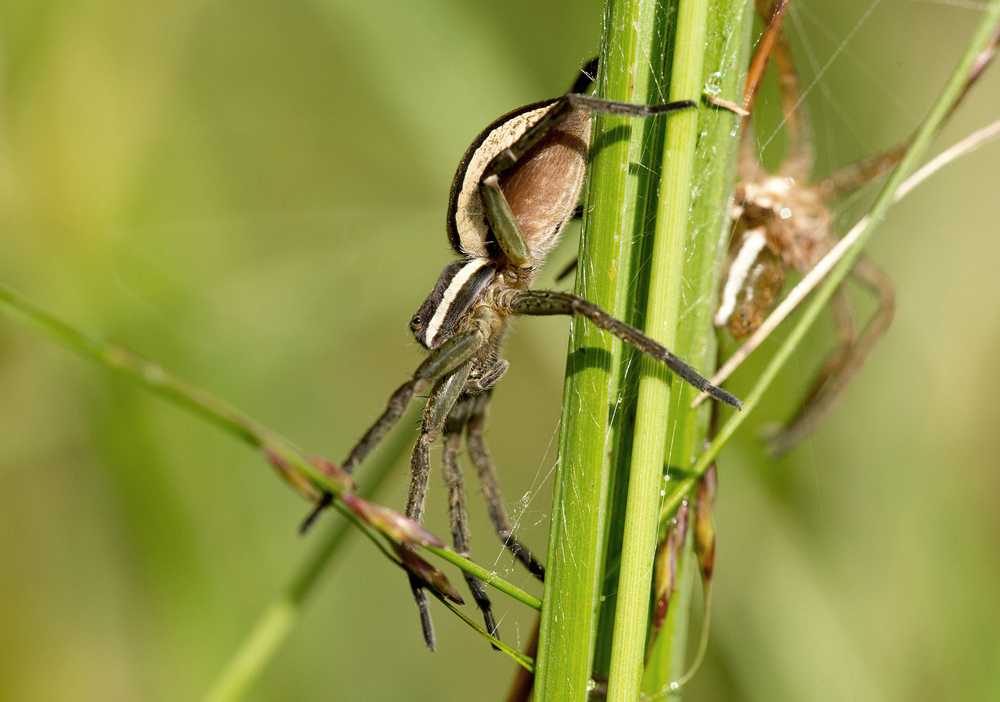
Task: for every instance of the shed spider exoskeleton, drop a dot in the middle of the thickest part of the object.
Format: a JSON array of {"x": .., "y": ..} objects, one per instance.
[
  {"x": 515, "y": 190},
  {"x": 782, "y": 221}
]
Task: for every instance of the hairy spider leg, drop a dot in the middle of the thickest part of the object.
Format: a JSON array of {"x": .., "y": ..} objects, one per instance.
[
  {"x": 457, "y": 511},
  {"x": 854, "y": 175},
  {"x": 841, "y": 368},
  {"x": 587, "y": 76},
  {"x": 773, "y": 47},
  {"x": 857, "y": 174},
  {"x": 540, "y": 303},
  {"x": 439, "y": 406},
  {"x": 442, "y": 361},
  {"x": 466, "y": 413},
  {"x": 773, "y": 18},
  {"x": 488, "y": 479},
  {"x": 498, "y": 211},
  {"x": 798, "y": 163}
]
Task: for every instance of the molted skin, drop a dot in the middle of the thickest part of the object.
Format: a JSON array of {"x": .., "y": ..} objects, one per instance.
[
  {"x": 761, "y": 285},
  {"x": 795, "y": 221},
  {"x": 796, "y": 217},
  {"x": 542, "y": 190}
]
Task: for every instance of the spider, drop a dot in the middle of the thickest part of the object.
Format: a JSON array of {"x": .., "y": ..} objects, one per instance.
[
  {"x": 515, "y": 190},
  {"x": 782, "y": 221}
]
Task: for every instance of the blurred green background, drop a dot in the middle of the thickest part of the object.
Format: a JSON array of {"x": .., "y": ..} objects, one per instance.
[{"x": 253, "y": 194}]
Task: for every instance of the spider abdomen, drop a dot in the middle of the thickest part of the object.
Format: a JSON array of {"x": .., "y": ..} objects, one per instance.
[
  {"x": 542, "y": 188},
  {"x": 752, "y": 280}
]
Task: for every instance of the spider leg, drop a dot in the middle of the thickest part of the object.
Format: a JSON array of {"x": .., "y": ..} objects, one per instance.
[
  {"x": 845, "y": 320},
  {"x": 439, "y": 406},
  {"x": 800, "y": 156},
  {"x": 843, "y": 366},
  {"x": 844, "y": 316},
  {"x": 498, "y": 211},
  {"x": 443, "y": 360},
  {"x": 748, "y": 165},
  {"x": 562, "y": 108},
  {"x": 457, "y": 505},
  {"x": 587, "y": 76},
  {"x": 856, "y": 174},
  {"x": 491, "y": 487},
  {"x": 538, "y": 303},
  {"x": 568, "y": 270},
  {"x": 570, "y": 267},
  {"x": 774, "y": 16}
]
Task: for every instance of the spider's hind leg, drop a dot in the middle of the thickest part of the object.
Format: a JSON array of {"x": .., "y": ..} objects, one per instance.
[
  {"x": 840, "y": 369},
  {"x": 587, "y": 76},
  {"x": 499, "y": 212},
  {"x": 491, "y": 487}
]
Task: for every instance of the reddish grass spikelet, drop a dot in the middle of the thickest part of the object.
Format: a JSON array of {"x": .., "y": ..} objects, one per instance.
[
  {"x": 433, "y": 578},
  {"x": 399, "y": 529},
  {"x": 333, "y": 471},
  {"x": 291, "y": 474}
]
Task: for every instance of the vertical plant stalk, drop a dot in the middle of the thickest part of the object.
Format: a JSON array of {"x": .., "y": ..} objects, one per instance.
[
  {"x": 727, "y": 49},
  {"x": 575, "y": 564},
  {"x": 621, "y": 200},
  {"x": 662, "y": 311},
  {"x": 663, "y": 306}
]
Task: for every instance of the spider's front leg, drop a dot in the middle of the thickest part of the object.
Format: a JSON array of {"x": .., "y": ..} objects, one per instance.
[
  {"x": 550, "y": 302},
  {"x": 439, "y": 406},
  {"x": 451, "y": 355}
]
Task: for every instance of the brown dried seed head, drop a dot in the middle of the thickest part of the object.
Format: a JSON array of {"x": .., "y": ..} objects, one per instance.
[
  {"x": 667, "y": 559},
  {"x": 704, "y": 523}
]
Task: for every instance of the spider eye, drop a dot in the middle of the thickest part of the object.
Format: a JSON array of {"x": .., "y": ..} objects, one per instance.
[{"x": 415, "y": 322}]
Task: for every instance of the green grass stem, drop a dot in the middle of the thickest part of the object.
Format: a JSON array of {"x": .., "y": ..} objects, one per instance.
[{"x": 587, "y": 563}]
